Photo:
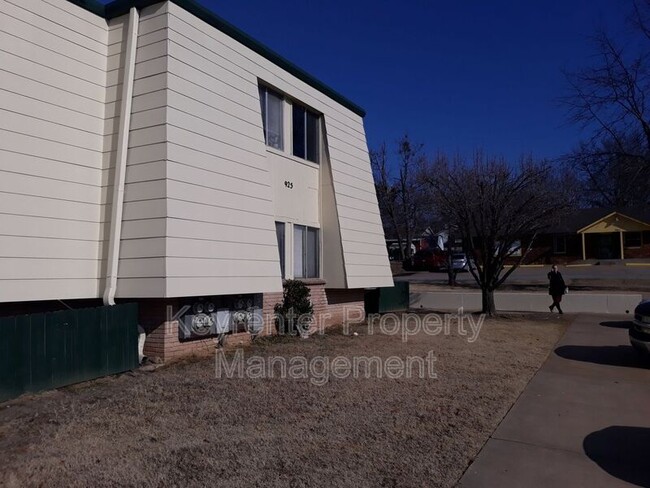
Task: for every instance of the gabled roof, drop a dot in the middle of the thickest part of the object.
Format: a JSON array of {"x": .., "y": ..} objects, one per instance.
[
  {"x": 121, "y": 7},
  {"x": 612, "y": 214},
  {"x": 582, "y": 218}
]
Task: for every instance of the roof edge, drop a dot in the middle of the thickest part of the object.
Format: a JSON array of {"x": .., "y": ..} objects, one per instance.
[
  {"x": 615, "y": 212},
  {"x": 121, "y": 7},
  {"x": 92, "y": 6}
]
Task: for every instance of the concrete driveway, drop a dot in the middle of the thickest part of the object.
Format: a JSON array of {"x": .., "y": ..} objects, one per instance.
[{"x": 583, "y": 420}]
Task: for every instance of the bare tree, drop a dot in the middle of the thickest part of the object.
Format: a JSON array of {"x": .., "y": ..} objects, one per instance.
[
  {"x": 492, "y": 205},
  {"x": 400, "y": 192},
  {"x": 386, "y": 195},
  {"x": 609, "y": 99}
]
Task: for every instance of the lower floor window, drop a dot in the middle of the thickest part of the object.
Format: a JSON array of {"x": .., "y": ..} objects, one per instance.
[
  {"x": 305, "y": 252},
  {"x": 632, "y": 239},
  {"x": 279, "y": 231},
  {"x": 559, "y": 244}
]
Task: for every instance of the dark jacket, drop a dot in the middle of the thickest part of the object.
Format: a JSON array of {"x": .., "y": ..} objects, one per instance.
[{"x": 556, "y": 284}]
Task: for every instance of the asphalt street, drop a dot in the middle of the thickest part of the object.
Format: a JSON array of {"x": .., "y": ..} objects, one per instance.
[{"x": 537, "y": 275}]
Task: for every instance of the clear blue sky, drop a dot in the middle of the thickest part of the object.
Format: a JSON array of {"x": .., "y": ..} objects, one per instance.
[{"x": 455, "y": 75}]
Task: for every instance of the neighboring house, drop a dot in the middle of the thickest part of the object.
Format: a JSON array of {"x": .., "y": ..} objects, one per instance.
[
  {"x": 594, "y": 233},
  {"x": 159, "y": 154}
]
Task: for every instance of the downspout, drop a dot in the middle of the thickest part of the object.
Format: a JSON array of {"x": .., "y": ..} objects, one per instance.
[{"x": 117, "y": 206}]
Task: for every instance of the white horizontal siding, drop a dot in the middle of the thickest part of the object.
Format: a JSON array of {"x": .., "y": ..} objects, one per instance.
[
  {"x": 49, "y": 168},
  {"x": 32, "y": 205},
  {"x": 197, "y": 285},
  {"x": 141, "y": 268},
  {"x": 192, "y": 248},
  {"x": 187, "y": 156},
  {"x": 18, "y": 290},
  {"x": 45, "y": 110},
  {"x": 224, "y": 73},
  {"x": 37, "y": 65},
  {"x": 191, "y": 229},
  {"x": 143, "y": 248},
  {"x": 198, "y": 214},
  {"x": 217, "y": 176},
  {"x": 145, "y": 210},
  {"x": 52, "y": 143},
  {"x": 221, "y": 229},
  {"x": 188, "y": 267},
  {"x": 47, "y": 248},
  {"x": 61, "y": 227},
  {"x": 43, "y": 90},
  {"x": 49, "y": 268},
  {"x": 143, "y": 228},
  {"x": 141, "y": 288},
  {"x": 62, "y": 19}
]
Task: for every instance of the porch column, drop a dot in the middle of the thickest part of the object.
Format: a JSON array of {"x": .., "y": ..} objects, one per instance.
[
  {"x": 621, "y": 236},
  {"x": 584, "y": 252}
]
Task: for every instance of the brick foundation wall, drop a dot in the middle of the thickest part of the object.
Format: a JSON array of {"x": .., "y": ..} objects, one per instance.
[
  {"x": 638, "y": 252},
  {"x": 157, "y": 319},
  {"x": 345, "y": 305},
  {"x": 331, "y": 307}
]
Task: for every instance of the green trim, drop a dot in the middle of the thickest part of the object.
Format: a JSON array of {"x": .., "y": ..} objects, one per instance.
[{"x": 121, "y": 7}]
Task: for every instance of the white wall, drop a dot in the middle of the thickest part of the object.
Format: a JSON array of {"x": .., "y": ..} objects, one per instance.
[
  {"x": 219, "y": 186},
  {"x": 202, "y": 192},
  {"x": 53, "y": 58},
  {"x": 298, "y": 202},
  {"x": 223, "y": 72},
  {"x": 141, "y": 271}
]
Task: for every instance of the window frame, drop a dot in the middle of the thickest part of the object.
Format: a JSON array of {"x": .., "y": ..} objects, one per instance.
[
  {"x": 636, "y": 246},
  {"x": 295, "y": 105},
  {"x": 556, "y": 248},
  {"x": 303, "y": 274},
  {"x": 282, "y": 246},
  {"x": 264, "y": 91}
]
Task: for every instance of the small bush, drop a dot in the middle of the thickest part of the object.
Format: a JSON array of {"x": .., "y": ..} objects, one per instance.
[{"x": 294, "y": 314}]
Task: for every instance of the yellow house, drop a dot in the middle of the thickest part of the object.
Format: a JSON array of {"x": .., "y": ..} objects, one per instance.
[{"x": 615, "y": 236}]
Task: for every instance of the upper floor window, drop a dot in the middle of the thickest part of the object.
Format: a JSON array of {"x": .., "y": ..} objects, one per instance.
[
  {"x": 272, "y": 119},
  {"x": 305, "y": 133}
]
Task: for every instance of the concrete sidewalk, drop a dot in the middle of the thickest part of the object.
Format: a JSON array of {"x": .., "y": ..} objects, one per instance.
[
  {"x": 583, "y": 420},
  {"x": 519, "y": 301}
]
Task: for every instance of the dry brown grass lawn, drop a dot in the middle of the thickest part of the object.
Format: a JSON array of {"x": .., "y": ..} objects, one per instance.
[{"x": 179, "y": 426}]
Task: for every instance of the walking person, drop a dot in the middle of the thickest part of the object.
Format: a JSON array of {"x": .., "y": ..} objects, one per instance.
[{"x": 556, "y": 288}]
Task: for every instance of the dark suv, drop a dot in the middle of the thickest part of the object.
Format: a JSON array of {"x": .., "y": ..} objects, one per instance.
[{"x": 640, "y": 329}]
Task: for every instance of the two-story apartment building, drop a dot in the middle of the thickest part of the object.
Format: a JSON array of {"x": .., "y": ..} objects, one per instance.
[{"x": 152, "y": 152}]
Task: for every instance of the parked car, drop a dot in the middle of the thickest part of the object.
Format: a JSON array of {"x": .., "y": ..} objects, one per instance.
[
  {"x": 640, "y": 329},
  {"x": 429, "y": 260},
  {"x": 459, "y": 262}
]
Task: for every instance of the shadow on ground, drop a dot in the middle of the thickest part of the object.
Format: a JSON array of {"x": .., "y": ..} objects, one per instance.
[
  {"x": 618, "y": 324},
  {"x": 611, "y": 355},
  {"x": 622, "y": 452}
]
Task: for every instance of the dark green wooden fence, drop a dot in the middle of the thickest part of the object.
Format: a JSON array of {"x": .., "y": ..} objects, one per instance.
[
  {"x": 48, "y": 350},
  {"x": 388, "y": 299}
]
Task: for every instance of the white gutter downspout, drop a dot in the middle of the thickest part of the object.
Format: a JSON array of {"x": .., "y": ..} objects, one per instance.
[{"x": 120, "y": 159}]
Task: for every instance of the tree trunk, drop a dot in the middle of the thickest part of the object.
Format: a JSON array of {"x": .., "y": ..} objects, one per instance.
[
  {"x": 488, "y": 302},
  {"x": 402, "y": 257}
]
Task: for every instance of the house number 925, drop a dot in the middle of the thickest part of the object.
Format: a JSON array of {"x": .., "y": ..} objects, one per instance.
[{"x": 288, "y": 184}]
